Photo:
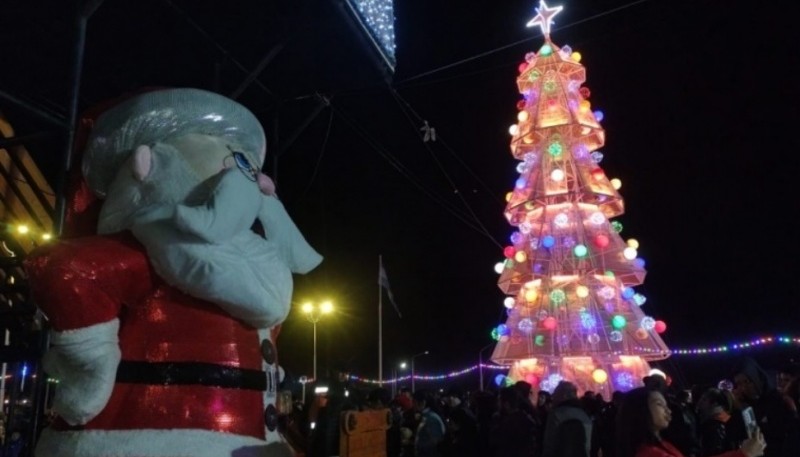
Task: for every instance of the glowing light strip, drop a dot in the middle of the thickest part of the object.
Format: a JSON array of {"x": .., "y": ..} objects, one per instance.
[
  {"x": 765, "y": 341},
  {"x": 452, "y": 374},
  {"x": 721, "y": 349},
  {"x": 377, "y": 18}
]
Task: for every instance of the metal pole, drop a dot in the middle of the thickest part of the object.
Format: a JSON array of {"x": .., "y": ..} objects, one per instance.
[
  {"x": 480, "y": 363},
  {"x": 85, "y": 9},
  {"x": 6, "y": 342},
  {"x": 394, "y": 382},
  {"x": 480, "y": 369},
  {"x": 315, "y": 351},
  {"x": 413, "y": 374},
  {"x": 380, "y": 325}
]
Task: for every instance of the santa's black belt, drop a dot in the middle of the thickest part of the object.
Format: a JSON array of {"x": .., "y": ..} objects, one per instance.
[{"x": 190, "y": 373}]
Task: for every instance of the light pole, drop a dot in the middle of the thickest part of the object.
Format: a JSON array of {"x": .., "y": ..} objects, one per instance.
[
  {"x": 313, "y": 313},
  {"x": 480, "y": 363},
  {"x": 413, "y": 372},
  {"x": 395, "y": 374}
]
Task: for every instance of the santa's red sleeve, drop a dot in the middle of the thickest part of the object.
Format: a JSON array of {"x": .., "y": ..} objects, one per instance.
[{"x": 85, "y": 281}]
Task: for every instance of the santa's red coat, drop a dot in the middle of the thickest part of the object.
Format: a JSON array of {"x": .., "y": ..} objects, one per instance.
[{"x": 87, "y": 281}]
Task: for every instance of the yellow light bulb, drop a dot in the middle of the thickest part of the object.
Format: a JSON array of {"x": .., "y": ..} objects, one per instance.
[
  {"x": 307, "y": 308},
  {"x": 523, "y": 116},
  {"x": 508, "y": 196},
  {"x": 616, "y": 183},
  {"x": 47, "y": 236},
  {"x": 530, "y": 295},
  {"x": 633, "y": 242},
  {"x": 599, "y": 376},
  {"x": 23, "y": 229},
  {"x": 520, "y": 256},
  {"x": 585, "y": 106},
  {"x": 582, "y": 291},
  {"x": 326, "y": 307},
  {"x": 576, "y": 56}
]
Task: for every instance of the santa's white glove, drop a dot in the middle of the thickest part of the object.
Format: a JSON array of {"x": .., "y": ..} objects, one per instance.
[{"x": 85, "y": 363}]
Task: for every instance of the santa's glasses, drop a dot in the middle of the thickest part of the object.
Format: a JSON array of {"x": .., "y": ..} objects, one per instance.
[{"x": 244, "y": 165}]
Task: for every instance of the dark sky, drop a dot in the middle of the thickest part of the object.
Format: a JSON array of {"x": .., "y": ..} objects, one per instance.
[
  {"x": 701, "y": 109},
  {"x": 699, "y": 98}
]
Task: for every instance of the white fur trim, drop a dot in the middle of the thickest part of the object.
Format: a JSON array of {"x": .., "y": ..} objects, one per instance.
[
  {"x": 105, "y": 331},
  {"x": 85, "y": 361},
  {"x": 155, "y": 443}
]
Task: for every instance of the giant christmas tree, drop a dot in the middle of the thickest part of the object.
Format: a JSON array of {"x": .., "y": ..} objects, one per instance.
[{"x": 572, "y": 311}]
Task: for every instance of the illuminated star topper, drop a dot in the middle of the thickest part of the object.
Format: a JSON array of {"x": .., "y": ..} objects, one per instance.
[{"x": 544, "y": 17}]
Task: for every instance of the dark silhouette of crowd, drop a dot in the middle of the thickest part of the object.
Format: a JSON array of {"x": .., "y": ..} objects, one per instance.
[{"x": 655, "y": 420}]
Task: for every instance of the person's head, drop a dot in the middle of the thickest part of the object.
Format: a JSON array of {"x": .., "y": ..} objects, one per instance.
[
  {"x": 655, "y": 382},
  {"x": 508, "y": 399},
  {"x": 713, "y": 402},
  {"x": 404, "y": 402},
  {"x": 453, "y": 397},
  {"x": 786, "y": 375},
  {"x": 422, "y": 400},
  {"x": 378, "y": 398},
  {"x": 644, "y": 413},
  {"x": 525, "y": 389},
  {"x": 543, "y": 399},
  {"x": 750, "y": 381},
  {"x": 617, "y": 397},
  {"x": 564, "y": 391}
]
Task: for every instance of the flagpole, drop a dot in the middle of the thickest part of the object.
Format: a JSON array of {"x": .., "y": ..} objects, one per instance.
[{"x": 380, "y": 324}]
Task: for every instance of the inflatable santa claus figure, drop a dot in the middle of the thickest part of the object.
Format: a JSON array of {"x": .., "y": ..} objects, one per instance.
[{"x": 161, "y": 321}]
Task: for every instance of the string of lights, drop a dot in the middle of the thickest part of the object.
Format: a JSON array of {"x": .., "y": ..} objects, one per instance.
[{"x": 756, "y": 343}]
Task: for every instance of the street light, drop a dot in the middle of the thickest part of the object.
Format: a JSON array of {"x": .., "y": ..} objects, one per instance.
[
  {"x": 413, "y": 373},
  {"x": 313, "y": 313},
  {"x": 395, "y": 374},
  {"x": 480, "y": 363}
]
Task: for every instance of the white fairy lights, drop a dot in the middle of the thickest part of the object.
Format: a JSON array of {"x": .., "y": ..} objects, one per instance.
[{"x": 377, "y": 16}]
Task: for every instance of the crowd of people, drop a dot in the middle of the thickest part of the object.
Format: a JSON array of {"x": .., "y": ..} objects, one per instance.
[{"x": 755, "y": 415}]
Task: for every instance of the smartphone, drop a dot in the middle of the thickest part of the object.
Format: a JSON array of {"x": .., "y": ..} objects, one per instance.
[{"x": 750, "y": 423}]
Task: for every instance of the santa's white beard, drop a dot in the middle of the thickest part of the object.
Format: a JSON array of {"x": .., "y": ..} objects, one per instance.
[
  {"x": 244, "y": 275},
  {"x": 198, "y": 238}
]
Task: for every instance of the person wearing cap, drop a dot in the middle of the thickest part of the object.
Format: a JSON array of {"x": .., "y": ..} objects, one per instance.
[{"x": 163, "y": 319}]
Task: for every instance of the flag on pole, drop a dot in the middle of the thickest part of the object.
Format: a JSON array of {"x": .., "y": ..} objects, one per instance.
[{"x": 383, "y": 280}]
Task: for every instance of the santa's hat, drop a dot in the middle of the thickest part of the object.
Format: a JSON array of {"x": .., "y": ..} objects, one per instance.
[{"x": 162, "y": 115}]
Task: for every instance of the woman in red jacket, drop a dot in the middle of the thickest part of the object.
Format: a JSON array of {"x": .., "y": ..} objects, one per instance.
[{"x": 642, "y": 417}]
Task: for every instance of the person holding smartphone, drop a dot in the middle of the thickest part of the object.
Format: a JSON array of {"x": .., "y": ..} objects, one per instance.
[
  {"x": 645, "y": 414},
  {"x": 773, "y": 414}
]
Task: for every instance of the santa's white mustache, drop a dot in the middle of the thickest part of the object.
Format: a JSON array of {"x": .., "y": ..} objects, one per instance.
[{"x": 205, "y": 248}]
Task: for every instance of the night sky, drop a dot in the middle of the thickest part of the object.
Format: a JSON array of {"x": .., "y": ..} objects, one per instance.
[{"x": 701, "y": 107}]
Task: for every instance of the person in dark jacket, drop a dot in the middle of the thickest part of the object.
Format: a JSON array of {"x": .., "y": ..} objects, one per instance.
[
  {"x": 774, "y": 415},
  {"x": 713, "y": 416},
  {"x": 512, "y": 431},
  {"x": 568, "y": 432}
]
